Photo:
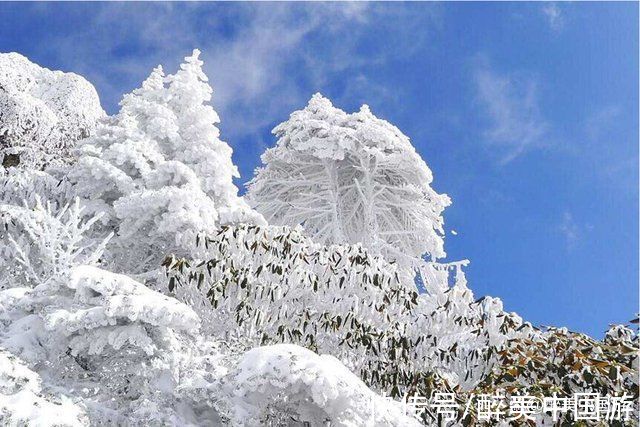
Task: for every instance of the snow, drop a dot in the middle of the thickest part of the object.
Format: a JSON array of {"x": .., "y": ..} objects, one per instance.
[
  {"x": 43, "y": 112},
  {"x": 23, "y": 402},
  {"x": 119, "y": 296},
  {"x": 317, "y": 387},
  {"x": 18, "y": 186},
  {"x": 310, "y": 317}
]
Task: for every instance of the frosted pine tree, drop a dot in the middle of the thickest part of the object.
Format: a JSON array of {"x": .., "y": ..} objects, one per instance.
[
  {"x": 199, "y": 145},
  {"x": 158, "y": 169}
]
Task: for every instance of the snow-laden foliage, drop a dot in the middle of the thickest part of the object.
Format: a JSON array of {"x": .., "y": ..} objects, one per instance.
[
  {"x": 561, "y": 363},
  {"x": 81, "y": 326},
  {"x": 270, "y": 285},
  {"x": 580, "y": 363},
  {"x": 83, "y": 346},
  {"x": 39, "y": 243},
  {"x": 459, "y": 337},
  {"x": 19, "y": 186},
  {"x": 158, "y": 170},
  {"x": 350, "y": 178},
  {"x": 274, "y": 284},
  {"x": 42, "y": 113}
]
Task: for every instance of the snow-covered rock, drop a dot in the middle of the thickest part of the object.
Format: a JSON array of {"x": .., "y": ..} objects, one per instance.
[
  {"x": 42, "y": 112},
  {"x": 308, "y": 387}
]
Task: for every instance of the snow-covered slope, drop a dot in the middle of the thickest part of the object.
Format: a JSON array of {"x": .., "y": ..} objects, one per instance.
[{"x": 42, "y": 112}]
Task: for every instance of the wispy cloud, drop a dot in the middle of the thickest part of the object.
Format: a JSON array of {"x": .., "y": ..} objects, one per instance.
[
  {"x": 610, "y": 152},
  {"x": 511, "y": 106},
  {"x": 263, "y": 59},
  {"x": 283, "y": 50},
  {"x": 569, "y": 230},
  {"x": 257, "y": 72},
  {"x": 554, "y": 16}
]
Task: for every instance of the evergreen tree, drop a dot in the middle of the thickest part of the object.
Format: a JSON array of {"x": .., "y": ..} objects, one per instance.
[{"x": 158, "y": 170}]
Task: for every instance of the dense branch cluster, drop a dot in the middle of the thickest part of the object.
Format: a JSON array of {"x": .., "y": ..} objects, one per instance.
[
  {"x": 275, "y": 285},
  {"x": 350, "y": 178}
]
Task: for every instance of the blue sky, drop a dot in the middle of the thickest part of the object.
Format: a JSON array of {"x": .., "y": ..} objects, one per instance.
[{"x": 527, "y": 113}]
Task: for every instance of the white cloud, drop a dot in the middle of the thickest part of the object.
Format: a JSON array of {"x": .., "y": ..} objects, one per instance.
[
  {"x": 510, "y": 103},
  {"x": 608, "y": 147},
  {"x": 264, "y": 60},
  {"x": 553, "y": 15},
  {"x": 265, "y": 72},
  {"x": 569, "y": 230}
]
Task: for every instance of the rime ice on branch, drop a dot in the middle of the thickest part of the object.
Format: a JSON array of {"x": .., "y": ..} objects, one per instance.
[
  {"x": 354, "y": 178},
  {"x": 350, "y": 178}
]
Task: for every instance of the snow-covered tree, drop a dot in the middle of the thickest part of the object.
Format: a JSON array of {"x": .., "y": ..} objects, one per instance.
[
  {"x": 101, "y": 338},
  {"x": 39, "y": 242},
  {"x": 459, "y": 337},
  {"x": 580, "y": 363},
  {"x": 83, "y": 346},
  {"x": 561, "y": 363},
  {"x": 350, "y": 178},
  {"x": 93, "y": 328},
  {"x": 42, "y": 113},
  {"x": 158, "y": 170}
]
